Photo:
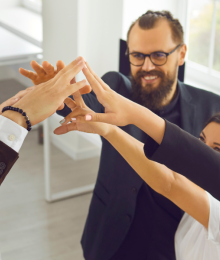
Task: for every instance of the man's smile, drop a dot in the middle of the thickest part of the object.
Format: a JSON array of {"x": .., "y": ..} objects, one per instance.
[{"x": 149, "y": 79}]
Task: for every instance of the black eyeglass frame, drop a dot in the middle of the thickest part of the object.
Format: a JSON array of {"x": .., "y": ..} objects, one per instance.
[{"x": 149, "y": 55}]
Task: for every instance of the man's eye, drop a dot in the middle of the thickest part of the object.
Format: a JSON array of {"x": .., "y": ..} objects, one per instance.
[
  {"x": 137, "y": 55},
  {"x": 158, "y": 55}
]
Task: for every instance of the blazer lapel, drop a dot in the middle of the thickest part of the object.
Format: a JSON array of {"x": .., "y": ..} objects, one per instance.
[{"x": 187, "y": 110}]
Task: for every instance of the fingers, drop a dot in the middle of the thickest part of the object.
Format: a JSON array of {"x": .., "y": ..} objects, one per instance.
[
  {"x": 48, "y": 68},
  {"x": 78, "y": 99},
  {"x": 60, "y": 65},
  {"x": 70, "y": 89},
  {"x": 105, "y": 86},
  {"x": 85, "y": 90},
  {"x": 38, "y": 68},
  {"x": 22, "y": 93},
  {"x": 79, "y": 62},
  {"x": 96, "y": 86},
  {"x": 98, "y": 117},
  {"x": 9, "y": 102},
  {"x": 69, "y": 72},
  {"x": 28, "y": 74},
  {"x": 76, "y": 113},
  {"x": 65, "y": 129},
  {"x": 70, "y": 103},
  {"x": 72, "y": 81}
]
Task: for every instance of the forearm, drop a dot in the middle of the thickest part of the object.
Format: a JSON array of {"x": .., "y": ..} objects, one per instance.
[
  {"x": 181, "y": 191},
  {"x": 148, "y": 122},
  {"x": 155, "y": 175},
  {"x": 187, "y": 155}
]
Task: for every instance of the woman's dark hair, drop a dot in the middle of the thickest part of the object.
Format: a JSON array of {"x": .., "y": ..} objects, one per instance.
[{"x": 215, "y": 118}]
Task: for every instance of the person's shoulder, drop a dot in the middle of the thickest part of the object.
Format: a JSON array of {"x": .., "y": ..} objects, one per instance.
[
  {"x": 200, "y": 94},
  {"x": 116, "y": 80}
]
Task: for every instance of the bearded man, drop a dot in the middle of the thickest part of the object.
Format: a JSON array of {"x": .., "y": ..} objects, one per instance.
[{"x": 127, "y": 219}]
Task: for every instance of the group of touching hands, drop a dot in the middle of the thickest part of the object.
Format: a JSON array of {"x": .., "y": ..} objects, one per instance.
[{"x": 53, "y": 88}]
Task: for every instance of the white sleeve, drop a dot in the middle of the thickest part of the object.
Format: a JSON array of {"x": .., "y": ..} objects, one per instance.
[
  {"x": 214, "y": 220},
  {"x": 11, "y": 133}
]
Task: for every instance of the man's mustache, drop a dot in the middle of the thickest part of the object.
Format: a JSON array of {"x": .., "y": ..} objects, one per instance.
[{"x": 143, "y": 73}]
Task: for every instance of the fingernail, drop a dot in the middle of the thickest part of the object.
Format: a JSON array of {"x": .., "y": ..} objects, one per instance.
[
  {"x": 62, "y": 121},
  {"x": 88, "y": 117},
  {"x": 73, "y": 119},
  {"x": 16, "y": 99},
  {"x": 85, "y": 66}
]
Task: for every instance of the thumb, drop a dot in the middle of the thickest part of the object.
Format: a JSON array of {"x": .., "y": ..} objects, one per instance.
[
  {"x": 101, "y": 117},
  {"x": 70, "y": 89}
]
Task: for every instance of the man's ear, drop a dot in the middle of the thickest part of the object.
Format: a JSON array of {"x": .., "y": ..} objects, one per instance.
[{"x": 182, "y": 54}]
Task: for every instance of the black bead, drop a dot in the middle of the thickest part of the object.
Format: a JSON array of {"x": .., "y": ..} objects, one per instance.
[
  {"x": 29, "y": 128},
  {"x": 20, "y": 111},
  {"x": 23, "y": 114},
  {"x": 16, "y": 109}
]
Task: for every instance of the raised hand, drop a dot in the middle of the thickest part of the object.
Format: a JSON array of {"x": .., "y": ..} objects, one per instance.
[
  {"x": 45, "y": 98},
  {"x": 78, "y": 106},
  {"x": 46, "y": 72},
  {"x": 42, "y": 73},
  {"x": 118, "y": 110}
]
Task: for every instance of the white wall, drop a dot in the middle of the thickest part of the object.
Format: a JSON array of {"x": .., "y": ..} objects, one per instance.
[
  {"x": 99, "y": 31},
  {"x": 133, "y": 9},
  {"x": 9, "y": 3},
  {"x": 91, "y": 29},
  {"x": 59, "y": 30}
]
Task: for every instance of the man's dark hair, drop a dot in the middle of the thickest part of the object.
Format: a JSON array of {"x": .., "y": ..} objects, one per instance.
[
  {"x": 215, "y": 118},
  {"x": 150, "y": 18}
]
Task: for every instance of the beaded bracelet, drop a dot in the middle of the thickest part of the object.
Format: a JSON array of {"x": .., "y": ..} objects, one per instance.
[{"x": 21, "y": 112}]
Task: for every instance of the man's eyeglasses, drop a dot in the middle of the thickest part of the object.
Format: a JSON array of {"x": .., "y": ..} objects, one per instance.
[{"x": 158, "y": 58}]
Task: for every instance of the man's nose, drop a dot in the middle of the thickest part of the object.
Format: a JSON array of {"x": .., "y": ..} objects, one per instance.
[{"x": 148, "y": 65}]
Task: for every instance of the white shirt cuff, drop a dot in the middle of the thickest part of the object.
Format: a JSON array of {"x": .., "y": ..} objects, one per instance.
[{"x": 11, "y": 133}]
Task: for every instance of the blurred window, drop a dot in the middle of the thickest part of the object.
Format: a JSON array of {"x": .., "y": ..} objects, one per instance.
[
  {"x": 34, "y": 5},
  {"x": 204, "y": 33}
]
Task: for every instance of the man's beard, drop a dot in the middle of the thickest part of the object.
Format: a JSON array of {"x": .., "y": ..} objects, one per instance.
[{"x": 149, "y": 96}]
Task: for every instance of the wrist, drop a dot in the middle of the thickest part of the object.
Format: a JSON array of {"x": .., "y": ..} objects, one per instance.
[
  {"x": 134, "y": 114},
  {"x": 16, "y": 117},
  {"x": 109, "y": 133}
]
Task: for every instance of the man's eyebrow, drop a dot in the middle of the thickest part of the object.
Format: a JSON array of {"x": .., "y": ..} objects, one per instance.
[
  {"x": 216, "y": 144},
  {"x": 203, "y": 134},
  {"x": 146, "y": 53}
]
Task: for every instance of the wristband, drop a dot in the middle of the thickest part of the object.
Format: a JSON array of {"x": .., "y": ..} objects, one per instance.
[{"x": 21, "y": 112}]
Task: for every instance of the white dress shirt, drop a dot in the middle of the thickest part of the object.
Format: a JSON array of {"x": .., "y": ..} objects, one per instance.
[
  {"x": 11, "y": 133},
  {"x": 193, "y": 241}
]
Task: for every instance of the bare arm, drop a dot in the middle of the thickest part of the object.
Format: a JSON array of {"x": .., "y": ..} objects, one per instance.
[
  {"x": 181, "y": 191},
  {"x": 121, "y": 111}
]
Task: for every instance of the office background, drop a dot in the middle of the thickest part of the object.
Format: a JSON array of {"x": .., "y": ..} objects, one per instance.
[{"x": 35, "y": 223}]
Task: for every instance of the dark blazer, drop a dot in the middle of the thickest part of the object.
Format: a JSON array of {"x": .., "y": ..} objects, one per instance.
[
  {"x": 8, "y": 157},
  {"x": 113, "y": 202},
  {"x": 187, "y": 155}
]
